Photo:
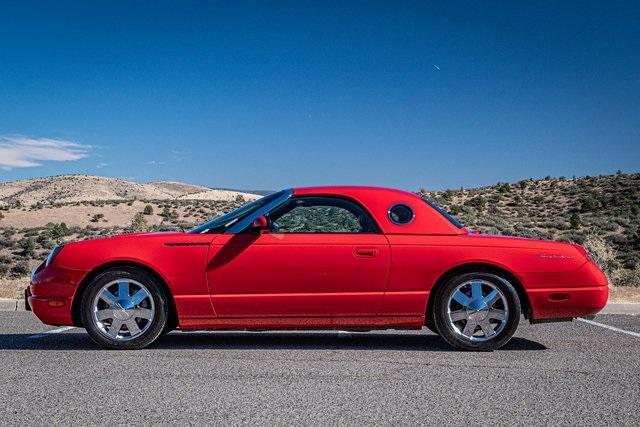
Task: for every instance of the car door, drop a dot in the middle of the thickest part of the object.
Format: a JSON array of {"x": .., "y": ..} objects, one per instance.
[{"x": 322, "y": 256}]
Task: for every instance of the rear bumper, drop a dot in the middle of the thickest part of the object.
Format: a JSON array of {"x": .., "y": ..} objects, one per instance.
[
  {"x": 580, "y": 293},
  {"x": 567, "y": 303}
]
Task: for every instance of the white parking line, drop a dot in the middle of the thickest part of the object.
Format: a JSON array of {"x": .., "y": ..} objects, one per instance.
[
  {"x": 53, "y": 331},
  {"x": 612, "y": 328}
]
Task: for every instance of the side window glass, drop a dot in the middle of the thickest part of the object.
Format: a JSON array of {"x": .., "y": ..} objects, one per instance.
[{"x": 322, "y": 215}]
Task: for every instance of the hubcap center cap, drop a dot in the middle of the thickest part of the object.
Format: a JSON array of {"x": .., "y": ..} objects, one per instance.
[{"x": 477, "y": 310}]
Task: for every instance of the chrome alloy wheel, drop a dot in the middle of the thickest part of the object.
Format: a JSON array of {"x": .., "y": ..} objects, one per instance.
[
  {"x": 123, "y": 309},
  {"x": 477, "y": 310}
]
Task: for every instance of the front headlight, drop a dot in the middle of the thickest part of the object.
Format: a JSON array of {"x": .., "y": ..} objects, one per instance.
[{"x": 53, "y": 254}]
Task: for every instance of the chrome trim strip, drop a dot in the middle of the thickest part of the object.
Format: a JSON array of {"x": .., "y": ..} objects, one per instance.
[{"x": 246, "y": 221}]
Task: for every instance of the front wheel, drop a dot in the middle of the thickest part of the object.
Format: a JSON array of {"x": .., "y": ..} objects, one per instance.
[
  {"x": 124, "y": 308},
  {"x": 476, "y": 311}
]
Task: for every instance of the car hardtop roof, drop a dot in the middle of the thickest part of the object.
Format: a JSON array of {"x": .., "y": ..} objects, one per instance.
[{"x": 349, "y": 190}]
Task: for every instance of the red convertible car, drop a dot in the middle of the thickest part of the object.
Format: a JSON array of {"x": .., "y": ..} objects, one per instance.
[{"x": 357, "y": 258}]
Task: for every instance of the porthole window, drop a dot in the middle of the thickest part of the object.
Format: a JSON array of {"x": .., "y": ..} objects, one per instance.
[{"x": 400, "y": 214}]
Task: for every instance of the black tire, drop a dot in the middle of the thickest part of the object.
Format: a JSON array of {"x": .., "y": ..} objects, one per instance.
[
  {"x": 157, "y": 324},
  {"x": 453, "y": 336}
]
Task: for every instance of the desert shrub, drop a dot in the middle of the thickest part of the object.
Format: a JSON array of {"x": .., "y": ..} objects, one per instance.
[
  {"x": 476, "y": 202},
  {"x": 59, "y": 231},
  {"x": 97, "y": 217},
  {"x": 31, "y": 233},
  {"x": 504, "y": 188},
  {"x": 588, "y": 204},
  {"x": 139, "y": 222},
  {"x": 6, "y": 242},
  {"x": 602, "y": 252},
  {"x": 630, "y": 260},
  {"x": 537, "y": 200},
  {"x": 21, "y": 269},
  {"x": 166, "y": 212},
  {"x": 617, "y": 240},
  {"x": 574, "y": 221},
  {"x": 148, "y": 210},
  {"x": 44, "y": 239},
  {"x": 627, "y": 277},
  {"x": 28, "y": 247}
]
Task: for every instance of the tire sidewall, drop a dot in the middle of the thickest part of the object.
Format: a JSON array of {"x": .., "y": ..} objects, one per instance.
[
  {"x": 159, "y": 300},
  {"x": 445, "y": 329}
]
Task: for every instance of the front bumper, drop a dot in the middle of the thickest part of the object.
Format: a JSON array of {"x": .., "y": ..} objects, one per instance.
[{"x": 51, "y": 293}]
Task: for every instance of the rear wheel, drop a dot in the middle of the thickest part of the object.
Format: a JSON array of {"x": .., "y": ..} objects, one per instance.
[
  {"x": 124, "y": 308},
  {"x": 476, "y": 311}
]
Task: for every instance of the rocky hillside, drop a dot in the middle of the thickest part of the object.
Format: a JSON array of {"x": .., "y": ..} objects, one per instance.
[
  {"x": 84, "y": 188},
  {"x": 600, "y": 211}
]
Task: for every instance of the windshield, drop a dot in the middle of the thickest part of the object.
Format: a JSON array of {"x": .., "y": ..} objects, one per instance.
[
  {"x": 452, "y": 219},
  {"x": 221, "y": 223}
]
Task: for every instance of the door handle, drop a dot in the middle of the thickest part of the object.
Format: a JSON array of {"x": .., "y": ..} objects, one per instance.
[{"x": 366, "y": 252}]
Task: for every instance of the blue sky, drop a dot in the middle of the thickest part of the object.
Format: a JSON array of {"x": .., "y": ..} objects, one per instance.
[{"x": 265, "y": 95}]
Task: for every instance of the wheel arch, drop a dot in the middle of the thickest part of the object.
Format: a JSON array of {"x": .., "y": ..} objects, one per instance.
[
  {"x": 484, "y": 268},
  {"x": 77, "y": 298}
]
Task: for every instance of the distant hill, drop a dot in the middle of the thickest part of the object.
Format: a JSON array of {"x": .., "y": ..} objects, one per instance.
[
  {"x": 603, "y": 212},
  {"x": 82, "y": 188}
]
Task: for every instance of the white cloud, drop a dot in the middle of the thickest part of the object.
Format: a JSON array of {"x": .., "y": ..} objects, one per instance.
[
  {"x": 26, "y": 152},
  {"x": 155, "y": 162},
  {"x": 102, "y": 165}
]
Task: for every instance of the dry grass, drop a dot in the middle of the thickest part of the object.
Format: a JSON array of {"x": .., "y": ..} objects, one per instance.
[
  {"x": 624, "y": 294},
  {"x": 13, "y": 288}
]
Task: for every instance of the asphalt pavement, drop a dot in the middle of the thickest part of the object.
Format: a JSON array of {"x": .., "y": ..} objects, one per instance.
[{"x": 563, "y": 373}]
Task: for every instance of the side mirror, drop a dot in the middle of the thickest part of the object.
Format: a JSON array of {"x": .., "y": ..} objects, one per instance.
[{"x": 260, "y": 224}]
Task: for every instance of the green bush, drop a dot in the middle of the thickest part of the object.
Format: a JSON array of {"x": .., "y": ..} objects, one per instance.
[
  {"x": 59, "y": 231},
  {"x": 574, "y": 221},
  {"x": 476, "y": 202},
  {"x": 139, "y": 223},
  {"x": 588, "y": 204},
  {"x": 21, "y": 269},
  {"x": 28, "y": 247}
]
